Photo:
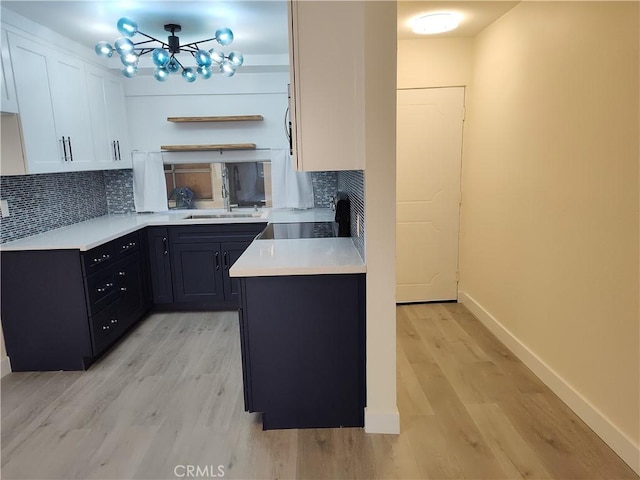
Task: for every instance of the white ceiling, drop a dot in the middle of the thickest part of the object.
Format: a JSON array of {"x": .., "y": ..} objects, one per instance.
[
  {"x": 476, "y": 16},
  {"x": 260, "y": 27}
]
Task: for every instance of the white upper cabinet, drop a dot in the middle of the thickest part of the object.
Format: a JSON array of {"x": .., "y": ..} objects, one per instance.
[
  {"x": 8, "y": 99},
  {"x": 327, "y": 85},
  {"x": 71, "y": 111},
  {"x": 108, "y": 119},
  {"x": 114, "y": 95},
  {"x": 32, "y": 68},
  {"x": 53, "y": 107}
]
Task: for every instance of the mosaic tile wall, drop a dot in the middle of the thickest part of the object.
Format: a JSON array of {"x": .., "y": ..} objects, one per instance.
[
  {"x": 351, "y": 182},
  {"x": 118, "y": 186},
  {"x": 39, "y": 203},
  {"x": 325, "y": 184}
]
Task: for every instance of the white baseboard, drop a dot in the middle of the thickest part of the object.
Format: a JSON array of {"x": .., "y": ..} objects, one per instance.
[
  {"x": 377, "y": 421},
  {"x": 5, "y": 367},
  {"x": 599, "y": 423}
]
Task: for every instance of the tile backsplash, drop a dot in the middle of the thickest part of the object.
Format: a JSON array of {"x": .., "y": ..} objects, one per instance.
[
  {"x": 39, "y": 203},
  {"x": 325, "y": 185},
  {"x": 118, "y": 186},
  {"x": 351, "y": 182}
]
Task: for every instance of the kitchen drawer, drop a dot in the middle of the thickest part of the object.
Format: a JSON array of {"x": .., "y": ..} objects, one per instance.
[
  {"x": 126, "y": 245},
  {"x": 208, "y": 233},
  {"x": 104, "y": 327},
  {"x": 98, "y": 258},
  {"x": 102, "y": 289}
]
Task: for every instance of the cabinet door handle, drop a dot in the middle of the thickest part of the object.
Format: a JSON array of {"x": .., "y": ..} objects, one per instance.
[
  {"x": 165, "y": 246},
  {"x": 217, "y": 260},
  {"x": 123, "y": 289},
  {"x": 64, "y": 149},
  {"x": 70, "y": 151},
  {"x": 115, "y": 155},
  {"x": 118, "y": 144},
  {"x": 225, "y": 260}
]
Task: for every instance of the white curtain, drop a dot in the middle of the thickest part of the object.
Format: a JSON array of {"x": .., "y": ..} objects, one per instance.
[
  {"x": 290, "y": 189},
  {"x": 149, "y": 186}
]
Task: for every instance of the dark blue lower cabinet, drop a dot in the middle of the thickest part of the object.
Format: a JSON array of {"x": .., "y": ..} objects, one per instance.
[{"x": 303, "y": 350}]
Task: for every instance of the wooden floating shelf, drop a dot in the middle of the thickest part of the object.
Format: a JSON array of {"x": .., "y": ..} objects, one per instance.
[
  {"x": 231, "y": 118},
  {"x": 205, "y": 148}
]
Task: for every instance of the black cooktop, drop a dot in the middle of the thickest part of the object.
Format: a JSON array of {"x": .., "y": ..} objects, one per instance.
[{"x": 299, "y": 230}]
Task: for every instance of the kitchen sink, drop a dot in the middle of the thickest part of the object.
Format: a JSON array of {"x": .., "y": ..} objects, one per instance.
[{"x": 202, "y": 216}]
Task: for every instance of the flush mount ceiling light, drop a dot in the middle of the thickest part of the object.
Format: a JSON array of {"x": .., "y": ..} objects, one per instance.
[
  {"x": 435, "y": 23},
  {"x": 164, "y": 54}
]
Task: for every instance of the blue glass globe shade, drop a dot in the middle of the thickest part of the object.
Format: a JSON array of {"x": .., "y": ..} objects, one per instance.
[
  {"x": 227, "y": 69},
  {"x": 204, "y": 71},
  {"x": 129, "y": 71},
  {"x": 124, "y": 46},
  {"x": 173, "y": 66},
  {"x": 236, "y": 59},
  {"x": 224, "y": 36},
  {"x": 189, "y": 74},
  {"x": 203, "y": 58},
  {"x": 127, "y": 27},
  {"x": 104, "y": 49},
  {"x": 130, "y": 59},
  {"x": 161, "y": 74},
  {"x": 216, "y": 56},
  {"x": 160, "y": 57}
]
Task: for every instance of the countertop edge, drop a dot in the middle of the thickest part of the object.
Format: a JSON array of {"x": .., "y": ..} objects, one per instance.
[{"x": 282, "y": 272}]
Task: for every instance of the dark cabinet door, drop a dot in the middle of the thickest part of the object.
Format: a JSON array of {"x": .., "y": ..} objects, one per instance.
[
  {"x": 231, "y": 251},
  {"x": 197, "y": 273},
  {"x": 160, "y": 265},
  {"x": 129, "y": 284}
]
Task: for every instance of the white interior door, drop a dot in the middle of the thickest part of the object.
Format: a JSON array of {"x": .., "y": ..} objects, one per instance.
[{"x": 429, "y": 158}]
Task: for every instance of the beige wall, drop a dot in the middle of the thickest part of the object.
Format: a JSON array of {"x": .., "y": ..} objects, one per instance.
[
  {"x": 550, "y": 214},
  {"x": 434, "y": 62}
]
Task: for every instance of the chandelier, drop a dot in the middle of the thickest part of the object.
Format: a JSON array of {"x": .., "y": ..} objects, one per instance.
[{"x": 164, "y": 54}]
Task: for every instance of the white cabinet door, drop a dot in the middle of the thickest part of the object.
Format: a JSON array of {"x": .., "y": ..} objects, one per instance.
[
  {"x": 327, "y": 85},
  {"x": 106, "y": 105},
  {"x": 103, "y": 148},
  {"x": 118, "y": 131},
  {"x": 32, "y": 69},
  {"x": 9, "y": 101},
  {"x": 71, "y": 111}
]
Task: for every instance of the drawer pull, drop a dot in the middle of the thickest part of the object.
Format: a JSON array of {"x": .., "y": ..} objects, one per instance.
[
  {"x": 123, "y": 289},
  {"x": 114, "y": 320},
  {"x": 105, "y": 256},
  {"x": 122, "y": 274},
  {"x": 106, "y": 287},
  {"x": 165, "y": 246},
  {"x": 105, "y": 327}
]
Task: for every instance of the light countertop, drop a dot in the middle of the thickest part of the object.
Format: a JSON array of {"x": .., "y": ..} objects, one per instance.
[
  {"x": 97, "y": 231},
  {"x": 303, "y": 256},
  {"x": 262, "y": 258}
]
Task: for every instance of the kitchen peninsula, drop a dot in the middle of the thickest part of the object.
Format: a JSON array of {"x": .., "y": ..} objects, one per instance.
[{"x": 302, "y": 330}]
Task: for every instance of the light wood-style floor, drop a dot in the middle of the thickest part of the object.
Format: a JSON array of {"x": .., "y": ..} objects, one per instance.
[{"x": 170, "y": 396}]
